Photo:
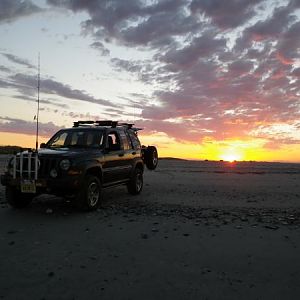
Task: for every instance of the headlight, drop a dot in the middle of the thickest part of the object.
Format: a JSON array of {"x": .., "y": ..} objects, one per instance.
[{"x": 65, "y": 164}]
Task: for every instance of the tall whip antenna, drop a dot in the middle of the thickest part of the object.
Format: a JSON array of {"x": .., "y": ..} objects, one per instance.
[{"x": 38, "y": 108}]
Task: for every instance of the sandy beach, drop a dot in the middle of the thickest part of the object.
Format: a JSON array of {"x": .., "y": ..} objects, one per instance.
[{"x": 199, "y": 230}]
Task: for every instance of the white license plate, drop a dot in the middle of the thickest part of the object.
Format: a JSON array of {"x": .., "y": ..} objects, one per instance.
[{"x": 28, "y": 186}]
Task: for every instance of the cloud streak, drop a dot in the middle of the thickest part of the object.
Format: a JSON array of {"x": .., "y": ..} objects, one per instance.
[
  {"x": 18, "y": 60},
  {"x": 19, "y": 126},
  {"x": 26, "y": 85}
]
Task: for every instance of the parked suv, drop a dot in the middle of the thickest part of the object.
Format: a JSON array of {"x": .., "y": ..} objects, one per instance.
[{"x": 78, "y": 163}]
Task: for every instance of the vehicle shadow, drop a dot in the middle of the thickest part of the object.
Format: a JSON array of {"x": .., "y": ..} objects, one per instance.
[{"x": 116, "y": 198}]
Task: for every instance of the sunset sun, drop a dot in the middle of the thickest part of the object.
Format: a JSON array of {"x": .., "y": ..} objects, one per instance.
[{"x": 231, "y": 156}]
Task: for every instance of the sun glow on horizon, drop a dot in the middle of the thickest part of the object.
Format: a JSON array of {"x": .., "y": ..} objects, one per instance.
[{"x": 231, "y": 156}]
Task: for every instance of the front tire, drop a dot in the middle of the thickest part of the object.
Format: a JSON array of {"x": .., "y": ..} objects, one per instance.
[
  {"x": 90, "y": 195},
  {"x": 135, "y": 184},
  {"x": 16, "y": 199}
]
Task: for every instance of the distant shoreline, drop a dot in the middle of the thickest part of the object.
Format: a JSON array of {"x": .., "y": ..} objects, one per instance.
[{"x": 10, "y": 149}]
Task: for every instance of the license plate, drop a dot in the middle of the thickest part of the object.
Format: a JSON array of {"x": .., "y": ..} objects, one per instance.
[
  {"x": 40, "y": 183},
  {"x": 28, "y": 186}
]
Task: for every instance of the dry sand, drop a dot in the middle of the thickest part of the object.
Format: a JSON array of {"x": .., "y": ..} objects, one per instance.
[{"x": 199, "y": 230}]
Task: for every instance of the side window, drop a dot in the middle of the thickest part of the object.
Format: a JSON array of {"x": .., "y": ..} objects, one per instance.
[
  {"x": 74, "y": 138},
  {"x": 113, "y": 141},
  {"x": 90, "y": 138},
  {"x": 125, "y": 142},
  {"x": 98, "y": 139},
  {"x": 134, "y": 140},
  {"x": 78, "y": 138}
]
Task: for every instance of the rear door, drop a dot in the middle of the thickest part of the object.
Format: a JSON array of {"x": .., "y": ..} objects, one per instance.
[
  {"x": 114, "y": 167},
  {"x": 129, "y": 152}
]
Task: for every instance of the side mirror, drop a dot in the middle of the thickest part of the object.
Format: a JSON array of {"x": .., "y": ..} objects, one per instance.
[{"x": 43, "y": 145}]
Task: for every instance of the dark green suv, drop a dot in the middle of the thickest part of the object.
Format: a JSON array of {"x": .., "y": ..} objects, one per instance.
[{"x": 78, "y": 163}]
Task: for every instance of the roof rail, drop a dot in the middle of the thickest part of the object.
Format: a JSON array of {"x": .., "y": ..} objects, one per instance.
[{"x": 107, "y": 123}]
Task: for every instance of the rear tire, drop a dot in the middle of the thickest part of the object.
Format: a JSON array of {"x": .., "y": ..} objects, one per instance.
[
  {"x": 16, "y": 199},
  {"x": 90, "y": 194},
  {"x": 135, "y": 184},
  {"x": 151, "y": 157}
]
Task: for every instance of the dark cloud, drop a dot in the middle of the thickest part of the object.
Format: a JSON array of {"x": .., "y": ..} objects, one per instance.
[
  {"x": 226, "y": 14},
  {"x": 14, "y": 9},
  {"x": 240, "y": 67},
  {"x": 274, "y": 25},
  {"x": 273, "y": 28},
  {"x": 133, "y": 21},
  {"x": 18, "y": 60},
  {"x": 159, "y": 28},
  {"x": 200, "y": 47},
  {"x": 100, "y": 48},
  {"x": 13, "y": 125},
  {"x": 289, "y": 45}
]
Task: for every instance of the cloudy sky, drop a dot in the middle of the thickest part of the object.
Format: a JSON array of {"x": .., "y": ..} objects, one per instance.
[{"x": 205, "y": 78}]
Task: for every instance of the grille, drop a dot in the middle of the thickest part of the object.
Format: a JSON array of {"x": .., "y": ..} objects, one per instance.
[{"x": 47, "y": 164}]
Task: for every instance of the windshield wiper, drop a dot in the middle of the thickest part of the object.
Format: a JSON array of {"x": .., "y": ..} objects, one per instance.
[
  {"x": 76, "y": 146},
  {"x": 54, "y": 147}
]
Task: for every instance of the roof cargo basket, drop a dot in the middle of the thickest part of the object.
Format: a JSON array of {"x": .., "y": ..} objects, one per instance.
[
  {"x": 107, "y": 123},
  {"x": 95, "y": 123}
]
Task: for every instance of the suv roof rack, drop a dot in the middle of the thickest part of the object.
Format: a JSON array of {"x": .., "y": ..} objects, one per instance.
[{"x": 107, "y": 123}]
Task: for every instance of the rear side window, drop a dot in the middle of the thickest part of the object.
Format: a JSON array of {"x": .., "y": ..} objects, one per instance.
[
  {"x": 126, "y": 143},
  {"x": 113, "y": 141},
  {"x": 134, "y": 140}
]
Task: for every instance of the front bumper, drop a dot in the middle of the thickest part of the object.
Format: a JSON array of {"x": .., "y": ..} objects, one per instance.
[
  {"x": 63, "y": 185},
  {"x": 4, "y": 179}
]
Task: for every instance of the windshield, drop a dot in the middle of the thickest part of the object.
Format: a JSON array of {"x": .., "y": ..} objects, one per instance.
[{"x": 76, "y": 138}]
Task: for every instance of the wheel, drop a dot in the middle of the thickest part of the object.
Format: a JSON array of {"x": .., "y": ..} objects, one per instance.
[
  {"x": 135, "y": 184},
  {"x": 90, "y": 194},
  {"x": 17, "y": 199},
  {"x": 151, "y": 157}
]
